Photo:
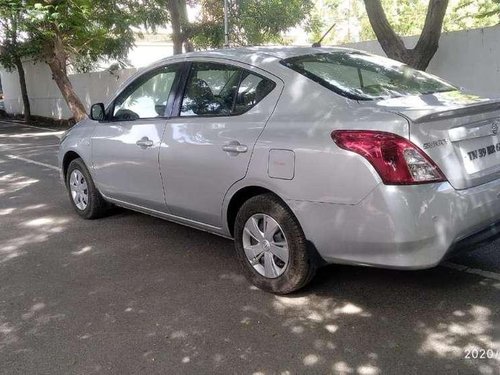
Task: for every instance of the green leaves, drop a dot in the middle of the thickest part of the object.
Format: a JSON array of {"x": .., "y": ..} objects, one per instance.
[
  {"x": 406, "y": 17},
  {"x": 88, "y": 30},
  {"x": 467, "y": 14},
  {"x": 14, "y": 43},
  {"x": 252, "y": 22}
]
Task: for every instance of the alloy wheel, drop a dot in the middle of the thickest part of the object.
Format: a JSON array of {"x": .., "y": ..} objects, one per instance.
[
  {"x": 79, "y": 189},
  {"x": 265, "y": 245}
]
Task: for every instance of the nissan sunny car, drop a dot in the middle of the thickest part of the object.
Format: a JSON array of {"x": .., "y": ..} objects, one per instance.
[{"x": 305, "y": 156}]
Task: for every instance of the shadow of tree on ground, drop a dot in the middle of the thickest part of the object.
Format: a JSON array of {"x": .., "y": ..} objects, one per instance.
[{"x": 134, "y": 294}]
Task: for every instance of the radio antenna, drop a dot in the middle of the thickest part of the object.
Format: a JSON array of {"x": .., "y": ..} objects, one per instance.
[{"x": 318, "y": 43}]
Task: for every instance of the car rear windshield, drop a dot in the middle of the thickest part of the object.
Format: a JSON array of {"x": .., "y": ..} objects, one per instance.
[{"x": 362, "y": 76}]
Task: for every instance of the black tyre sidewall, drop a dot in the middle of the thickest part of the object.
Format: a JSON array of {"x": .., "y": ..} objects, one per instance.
[
  {"x": 95, "y": 206},
  {"x": 300, "y": 267}
]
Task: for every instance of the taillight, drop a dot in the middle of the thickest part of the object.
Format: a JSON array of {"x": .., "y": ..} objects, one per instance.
[{"x": 396, "y": 159}]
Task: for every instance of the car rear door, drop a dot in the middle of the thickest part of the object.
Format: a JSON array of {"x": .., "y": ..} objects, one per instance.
[
  {"x": 126, "y": 146},
  {"x": 209, "y": 141}
]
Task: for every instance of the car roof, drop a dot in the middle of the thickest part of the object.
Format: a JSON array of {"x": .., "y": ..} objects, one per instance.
[{"x": 252, "y": 54}]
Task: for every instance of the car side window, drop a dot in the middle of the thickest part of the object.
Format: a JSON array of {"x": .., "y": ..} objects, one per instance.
[
  {"x": 215, "y": 89},
  {"x": 210, "y": 90},
  {"x": 252, "y": 89},
  {"x": 147, "y": 97}
]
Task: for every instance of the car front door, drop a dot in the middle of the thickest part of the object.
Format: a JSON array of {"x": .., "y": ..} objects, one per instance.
[
  {"x": 125, "y": 147},
  {"x": 208, "y": 144}
]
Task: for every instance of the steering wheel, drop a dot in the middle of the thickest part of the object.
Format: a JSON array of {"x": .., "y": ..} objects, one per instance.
[{"x": 126, "y": 115}]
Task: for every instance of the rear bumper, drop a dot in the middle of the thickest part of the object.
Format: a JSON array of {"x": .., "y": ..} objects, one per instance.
[
  {"x": 489, "y": 234},
  {"x": 405, "y": 227}
]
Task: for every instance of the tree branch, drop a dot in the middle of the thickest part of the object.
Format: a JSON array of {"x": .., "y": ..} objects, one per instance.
[
  {"x": 428, "y": 42},
  {"x": 390, "y": 42},
  {"x": 394, "y": 47}
]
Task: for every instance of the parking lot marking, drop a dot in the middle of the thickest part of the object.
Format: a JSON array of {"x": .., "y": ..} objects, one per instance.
[
  {"x": 17, "y": 123},
  {"x": 26, "y": 160},
  {"x": 475, "y": 271},
  {"x": 27, "y": 146}
]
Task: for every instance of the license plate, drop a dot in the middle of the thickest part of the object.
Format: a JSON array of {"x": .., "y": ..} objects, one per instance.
[{"x": 480, "y": 153}]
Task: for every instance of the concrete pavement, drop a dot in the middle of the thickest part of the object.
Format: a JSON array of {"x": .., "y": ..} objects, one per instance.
[{"x": 131, "y": 294}]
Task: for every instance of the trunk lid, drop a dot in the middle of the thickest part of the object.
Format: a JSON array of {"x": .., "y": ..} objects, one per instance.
[{"x": 460, "y": 132}]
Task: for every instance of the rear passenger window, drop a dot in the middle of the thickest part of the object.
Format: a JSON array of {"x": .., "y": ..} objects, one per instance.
[
  {"x": 210, "y": 90},
  {"x": 252, "y": 90},
  {"x": 215, "y": 89}
]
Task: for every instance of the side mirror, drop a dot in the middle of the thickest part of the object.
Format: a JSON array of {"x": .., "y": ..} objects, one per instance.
[{"x": 97, "y": 112}]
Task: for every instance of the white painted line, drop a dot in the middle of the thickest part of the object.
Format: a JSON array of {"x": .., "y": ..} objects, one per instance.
[
  {"x": 13, "y": 123},
  {"x": 33, "y": 162},
  {"x": 8, "y": 124},
  {"x": 48, "y": 129},
  {"x": 475, "y": 271},
  {"x": 21, "y": 146}
]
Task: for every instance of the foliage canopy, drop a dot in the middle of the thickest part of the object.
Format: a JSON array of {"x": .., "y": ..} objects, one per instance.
[
  {"x": 252, "y": 22},
  {"x": 407, "y": 18}
]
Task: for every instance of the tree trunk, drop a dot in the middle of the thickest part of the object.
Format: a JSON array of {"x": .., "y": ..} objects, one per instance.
[
  {"x": 180, "y": 24},
  {"x": 57, "y": 63},
  {"x": 19, "y": 64},
  {"x": 428, "y": 43},
  {"x": 394, "y": 47},
  {"x": 24, "y": 90},
  {"x": 188, "y": 46},
  {"x": 176, "y": 26},
  {"x": 184, "y": 20}
]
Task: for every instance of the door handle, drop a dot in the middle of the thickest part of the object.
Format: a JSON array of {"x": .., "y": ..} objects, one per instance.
[
  {"x": 235, "y": 147},
  {"x": 144, "y": 142}
]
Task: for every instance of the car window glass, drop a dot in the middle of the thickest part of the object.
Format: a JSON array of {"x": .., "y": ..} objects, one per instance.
[
  {"x": 251, "y": 90},
  {"x": 370, "y": 78},
  {"x": 221, "y": 90},
  {"x": 217, "y": 77},
  {"x": 346, "y": 76},
  {"x": 362, "y": 76},
  {"x": 210, "y": 90},
  {"x": 147, "y": 97}
]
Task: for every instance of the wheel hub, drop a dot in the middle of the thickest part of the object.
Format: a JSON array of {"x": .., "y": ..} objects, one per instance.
[
  {"x": 79, "y": 189},
  {"x": 265, "y": 245}
]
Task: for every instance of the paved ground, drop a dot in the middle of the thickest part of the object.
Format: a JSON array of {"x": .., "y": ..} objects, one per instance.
[{"x": 134, "y": 294}]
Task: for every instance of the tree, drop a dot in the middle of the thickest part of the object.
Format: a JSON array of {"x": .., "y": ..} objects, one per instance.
[
  {"x": 12, "y": 48},
  {"x": 179, "y": 21},
  {"x": 489, "y": 8},
  {"x": 471, "y": 14},
  {"x": 251, "y": 22},
  {"x": 346, "y": 18},
  {"x": 392, "y": 44},
  {"x": 406, "y": 18},
  {"x": 79, "y": 33}
]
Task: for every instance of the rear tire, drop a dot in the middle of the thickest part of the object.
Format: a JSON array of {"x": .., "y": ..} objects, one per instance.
[
  {"x": 84, "y": 196},
  {"x": 264, "y": 227}
]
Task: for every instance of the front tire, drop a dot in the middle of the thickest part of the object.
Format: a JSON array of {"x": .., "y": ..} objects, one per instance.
[
  {"x": 271, "y": 246},
  {"x": 84, "y": 196}
]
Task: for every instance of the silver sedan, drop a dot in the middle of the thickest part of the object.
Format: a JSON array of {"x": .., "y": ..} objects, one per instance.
[{"x": 304, "y": 156}]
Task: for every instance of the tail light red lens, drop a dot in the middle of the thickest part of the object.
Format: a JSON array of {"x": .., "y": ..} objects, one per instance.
[{"x": 396, "y": 159}]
